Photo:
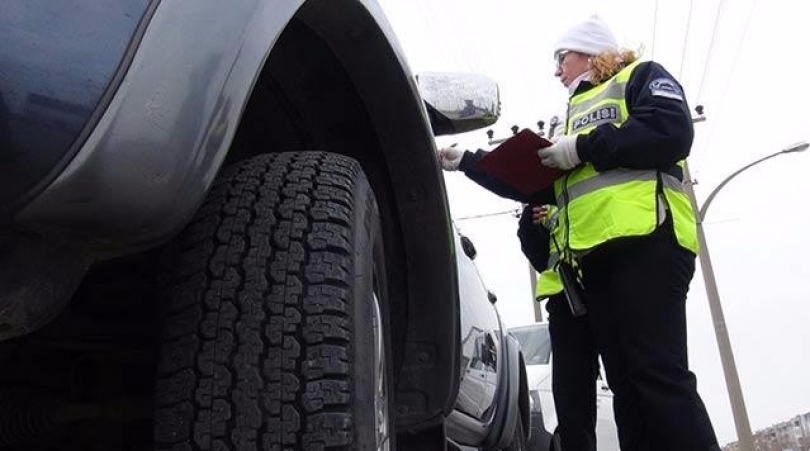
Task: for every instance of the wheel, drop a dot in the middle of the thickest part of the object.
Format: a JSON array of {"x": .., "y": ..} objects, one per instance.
[{"x": 276, "y": 332}]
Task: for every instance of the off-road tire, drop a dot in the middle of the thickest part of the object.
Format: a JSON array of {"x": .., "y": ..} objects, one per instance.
[{"x": 268, "y": 339}]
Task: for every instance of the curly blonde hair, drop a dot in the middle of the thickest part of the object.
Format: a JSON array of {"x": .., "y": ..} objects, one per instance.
[{"x": 607, "y": 64}]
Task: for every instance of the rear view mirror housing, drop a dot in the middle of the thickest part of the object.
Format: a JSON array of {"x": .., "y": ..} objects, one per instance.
[{"x": 459, "y": 102}]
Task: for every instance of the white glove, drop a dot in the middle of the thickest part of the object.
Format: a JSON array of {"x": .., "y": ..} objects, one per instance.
[
  {"x": 562, "y": 154},
  {"x": 450, "y": 158}
]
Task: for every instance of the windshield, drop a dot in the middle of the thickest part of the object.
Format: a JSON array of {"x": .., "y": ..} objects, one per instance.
[{"x": 535, "y": 343}]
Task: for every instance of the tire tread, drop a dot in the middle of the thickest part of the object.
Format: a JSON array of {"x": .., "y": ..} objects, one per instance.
[{"x": 259, "y": 297}]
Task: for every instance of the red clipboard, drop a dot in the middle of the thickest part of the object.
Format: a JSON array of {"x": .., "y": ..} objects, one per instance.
[{"x": 516, "y": 163}]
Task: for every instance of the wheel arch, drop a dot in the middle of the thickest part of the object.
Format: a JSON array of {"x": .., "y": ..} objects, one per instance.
[{"x": 336, "y": 80}]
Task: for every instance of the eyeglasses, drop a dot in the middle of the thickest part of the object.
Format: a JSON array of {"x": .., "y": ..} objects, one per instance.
[{"x": 560, "y": 56}]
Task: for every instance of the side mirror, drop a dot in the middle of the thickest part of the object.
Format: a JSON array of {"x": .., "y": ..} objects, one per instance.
[{"x": 459, "y": 102}]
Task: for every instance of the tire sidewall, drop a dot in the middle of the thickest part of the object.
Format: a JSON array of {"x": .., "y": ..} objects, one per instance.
[{"x": 369, "y": 273}]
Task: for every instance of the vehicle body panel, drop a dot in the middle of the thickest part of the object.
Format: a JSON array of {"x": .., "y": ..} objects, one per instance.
[
  {"x": 155, "y": 151},
  {"x": 490, "y": 363},
  {"x": 57, "y": 61},
  {"x": 481, "y": 342}
]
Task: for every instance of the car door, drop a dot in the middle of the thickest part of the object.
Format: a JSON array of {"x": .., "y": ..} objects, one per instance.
[{"x": 481, "y": 344}]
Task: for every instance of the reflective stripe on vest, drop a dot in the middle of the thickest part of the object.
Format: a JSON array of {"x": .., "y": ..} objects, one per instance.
[
  {"x": 600, "y": 206},
  {"x": 617, "y": 177}
]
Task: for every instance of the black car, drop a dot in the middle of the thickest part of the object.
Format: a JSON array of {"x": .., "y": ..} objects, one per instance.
[{"x": 223, "y": 227}]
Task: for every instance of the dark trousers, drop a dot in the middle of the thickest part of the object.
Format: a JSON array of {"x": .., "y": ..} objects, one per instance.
[
  {"x": 635, "y": 292},
  {"x": 574, "y": 370}
]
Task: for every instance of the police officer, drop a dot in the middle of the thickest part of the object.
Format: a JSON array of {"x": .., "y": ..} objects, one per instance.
[{"x": 624, "y": 217}]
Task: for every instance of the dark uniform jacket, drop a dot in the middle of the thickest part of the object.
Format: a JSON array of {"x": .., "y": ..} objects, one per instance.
[{"x": 657, "y": 132}]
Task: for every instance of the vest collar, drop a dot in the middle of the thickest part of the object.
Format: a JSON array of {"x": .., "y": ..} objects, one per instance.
[
  {"x": 573, "y": 88},
  {"x": 581, "y": 85}
]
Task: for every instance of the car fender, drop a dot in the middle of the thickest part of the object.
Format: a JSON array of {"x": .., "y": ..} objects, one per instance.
[{"x": 155, "y": 151}]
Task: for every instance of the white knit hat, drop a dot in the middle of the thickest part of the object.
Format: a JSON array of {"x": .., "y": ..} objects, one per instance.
[{"x": 590, "y": 37}]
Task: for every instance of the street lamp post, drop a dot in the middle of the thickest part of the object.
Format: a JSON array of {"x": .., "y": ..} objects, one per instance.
[{"x": 741, "y": 423}]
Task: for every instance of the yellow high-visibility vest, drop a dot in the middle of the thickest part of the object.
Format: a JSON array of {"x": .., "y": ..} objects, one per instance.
[
  {"x": 601, "y": 206},
  {"x": 596, "y": 207}
]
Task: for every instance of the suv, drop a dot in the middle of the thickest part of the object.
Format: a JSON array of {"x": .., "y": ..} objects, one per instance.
[{"x": 223, "y": 227}]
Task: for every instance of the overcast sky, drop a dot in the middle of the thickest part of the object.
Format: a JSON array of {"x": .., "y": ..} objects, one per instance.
[{"x": 746, "y": 62}]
